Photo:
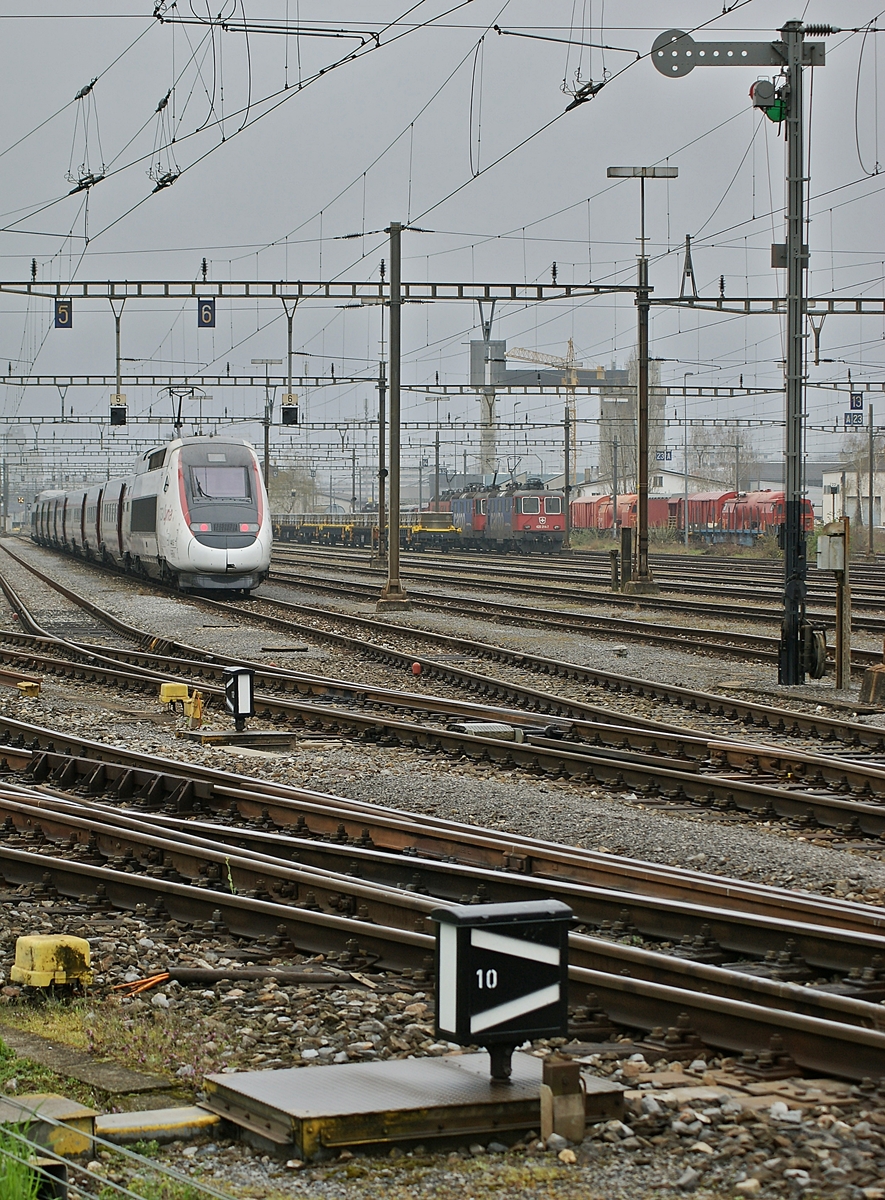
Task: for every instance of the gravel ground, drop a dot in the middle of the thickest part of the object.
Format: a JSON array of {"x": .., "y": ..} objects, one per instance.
[
  {"x": 701, "y": 1127},
  {"x": 693, "y": 1145},
  {"x": 595, "y": 602}
]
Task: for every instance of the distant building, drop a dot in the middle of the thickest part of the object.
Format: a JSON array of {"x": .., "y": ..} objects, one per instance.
[{"x": 841, "y": 497}]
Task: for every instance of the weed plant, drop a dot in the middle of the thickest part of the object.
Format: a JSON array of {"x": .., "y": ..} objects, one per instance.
[{"x": 18, "y": 1181}]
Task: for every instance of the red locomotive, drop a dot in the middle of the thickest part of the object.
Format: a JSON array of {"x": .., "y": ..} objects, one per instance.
[
  {"x": 510, "y": 518},
  {"x": 523, "y": 519}
]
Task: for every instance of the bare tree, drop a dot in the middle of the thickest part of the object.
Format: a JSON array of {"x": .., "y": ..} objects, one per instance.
[
  {"x": 292, "y": 489},
  {"x": 617, "y": 410},
  {"x": 727, "y": 455}
]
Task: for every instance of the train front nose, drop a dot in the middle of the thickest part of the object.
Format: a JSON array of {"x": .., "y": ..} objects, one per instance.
[{"x": 230, "y": 553}]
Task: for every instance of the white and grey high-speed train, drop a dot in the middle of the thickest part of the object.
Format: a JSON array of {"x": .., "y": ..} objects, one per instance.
[{"x": 193, "y": 514}]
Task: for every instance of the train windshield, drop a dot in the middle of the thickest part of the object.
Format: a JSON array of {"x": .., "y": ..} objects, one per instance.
[
  {"x": 213, "y": 482},
  {"x": 219, "y": 473},
  {"x": 530, "y": 505},
  {"x": 553, "y": 505}
]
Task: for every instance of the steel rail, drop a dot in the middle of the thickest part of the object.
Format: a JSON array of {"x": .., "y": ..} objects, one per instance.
[
  {"x": 649, "y": 776},
  {"x": 814, "y": 1041},
  {"x": 753, "y": 646},
  {"x": 244, "y": 872},
  {"x": 507, "y": 578},
  {"x": 817, "y": 769},
  {"x": 671, "y": 740},
  {"x": 742, "y": 645},
  {"x": 244, "y": 916},
  {"x": 768, "y": 716},
  {"x": 706, "y": 703},
  {"x": 337, "y": 872},
  {"x": 738, "y": 643},
  {"x": 593, "y": 718},
  {"x": 399, "y": 906},
  {"x": 72, "y": 761},
  {"x": 821, "y": 1047}
]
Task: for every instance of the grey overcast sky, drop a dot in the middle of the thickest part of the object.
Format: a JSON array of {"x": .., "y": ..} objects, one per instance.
[{"x": 433, "y": 118}]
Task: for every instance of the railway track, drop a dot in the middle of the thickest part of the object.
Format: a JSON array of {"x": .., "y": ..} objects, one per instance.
[
  {"x": 755, "y": 647},
  {"x": 273, "y": 883},
  {"x": 658, "y": 763},
  {"x": 571, "y": 582},
  {"x": 392, "y": 860}
]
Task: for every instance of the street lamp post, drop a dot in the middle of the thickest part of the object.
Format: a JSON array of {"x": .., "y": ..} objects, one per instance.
[
  {"x": 643, "y": 581},
  {"x": 267, "y": 363}
]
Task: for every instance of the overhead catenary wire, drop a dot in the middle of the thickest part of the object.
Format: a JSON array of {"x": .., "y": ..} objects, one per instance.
[{"x": 581, "y": 202}]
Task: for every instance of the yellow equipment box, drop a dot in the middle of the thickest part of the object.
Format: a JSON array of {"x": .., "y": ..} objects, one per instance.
[
  {"x": 170, "y": 692},
  {"x": 42, "y": 959}
]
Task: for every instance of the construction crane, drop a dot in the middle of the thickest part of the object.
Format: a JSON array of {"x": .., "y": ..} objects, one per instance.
[{"x": 570, "y": 382}]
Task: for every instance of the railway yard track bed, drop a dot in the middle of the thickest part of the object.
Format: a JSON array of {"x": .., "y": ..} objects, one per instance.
[{"x": 321, "y": 860}]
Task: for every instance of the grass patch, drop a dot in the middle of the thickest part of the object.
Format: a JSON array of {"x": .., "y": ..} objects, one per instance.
[
  {"x": 161, "y": 1042},
  {"x": 18, "y": 1181},
  {"x": 155, "y": 1189},
  {"x": 21, "y": 1076}
]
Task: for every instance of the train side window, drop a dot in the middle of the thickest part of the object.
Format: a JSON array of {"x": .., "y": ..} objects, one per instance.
[
  {"x": 553, "y": 505},
  {"x": 156, "y": 460},
  {"x": 530, "y": 506}
]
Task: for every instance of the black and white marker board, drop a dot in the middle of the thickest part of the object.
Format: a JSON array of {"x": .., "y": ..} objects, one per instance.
[{"x": 502, "y": 971}]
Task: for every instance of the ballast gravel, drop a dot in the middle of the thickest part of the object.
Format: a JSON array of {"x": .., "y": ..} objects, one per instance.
[
  {"x": 572, "y": 812},
  {"x": 670, "y": 1143}
]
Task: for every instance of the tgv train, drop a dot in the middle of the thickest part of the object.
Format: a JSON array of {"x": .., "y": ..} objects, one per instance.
[{"x": 193, "y": 514}]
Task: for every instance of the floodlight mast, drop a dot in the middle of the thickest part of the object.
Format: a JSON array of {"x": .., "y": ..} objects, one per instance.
[{"x": 675, "y": 53}]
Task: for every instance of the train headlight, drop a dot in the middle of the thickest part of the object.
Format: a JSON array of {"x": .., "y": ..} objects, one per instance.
[
  {"x": 247, "y": 528},
  {"x": 201, "y": 527}
]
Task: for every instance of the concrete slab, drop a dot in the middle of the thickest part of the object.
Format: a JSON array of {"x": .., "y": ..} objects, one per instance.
[
  {"x": 156, "y": 1125},
  {"x": 62, "y": 1125},
  {"x": 76, "y": 1064},
  {"x": 317, "y": 1111}
]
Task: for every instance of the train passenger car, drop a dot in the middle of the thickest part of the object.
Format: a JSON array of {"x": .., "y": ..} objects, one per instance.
[
  {"x": 194, "y": 513},
  {"x": 526, "y": 520}
]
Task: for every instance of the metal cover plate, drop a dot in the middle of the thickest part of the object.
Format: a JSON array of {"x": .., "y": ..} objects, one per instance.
[{"x": 360, "y": 1088}]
